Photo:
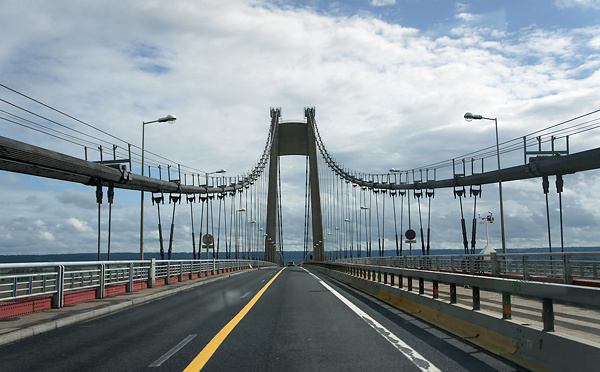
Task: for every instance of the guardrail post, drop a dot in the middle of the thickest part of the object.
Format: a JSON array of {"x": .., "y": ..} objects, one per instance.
[
  {"x": 436, "y": 290},
  {"x": 168, "y": 278},
  {"x": 130, "y": 281},
  {"x": 495, "y": 264},
  {"x": 58, "y": 297},
  {"x": 452, "y": 293},
  {"x": 181, "y": 271},
  {"x": 548, "y": 314},
  {"x": 410, "y": 288},
  {"x": 384, "y": 278},
  {"x": 101, "y": 282},
  {"x": 506, "y": 306},
  {"x": 421, "y": 285},
  {"x": 152, "y": 273},
  {"x": 567, "y": 269},
  {"x": 400, "y": 281},
  {"x": 471, "y": 265},
  {"x": 392, "y": 280},
  {"x": 452, "y": 264},
  {"x": 476, "y": 299},
  {"x": 525, "y": 268}
]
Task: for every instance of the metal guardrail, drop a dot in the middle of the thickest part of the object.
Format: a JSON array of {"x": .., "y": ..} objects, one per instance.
[
  {"x": 26, "y": 280},
  {"x": 563, "y": 267},
  {"x": 548, "y": 293}
]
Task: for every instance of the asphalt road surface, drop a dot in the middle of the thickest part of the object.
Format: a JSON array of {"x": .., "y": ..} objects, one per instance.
[{"x": 301, "y": 321}]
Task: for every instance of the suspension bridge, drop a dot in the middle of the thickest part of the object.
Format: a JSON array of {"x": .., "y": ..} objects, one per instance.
[{"x": 480, "y": 304}]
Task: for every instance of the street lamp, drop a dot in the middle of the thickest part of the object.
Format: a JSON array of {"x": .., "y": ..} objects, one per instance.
[
  {"x": 207, "y": 235},
  {"x": 469, "y": 117},
  {"x": 167, "y": 119}
]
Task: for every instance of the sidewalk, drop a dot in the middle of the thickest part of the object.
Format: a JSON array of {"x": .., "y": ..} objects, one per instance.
[{"x": 14, "y": 329}]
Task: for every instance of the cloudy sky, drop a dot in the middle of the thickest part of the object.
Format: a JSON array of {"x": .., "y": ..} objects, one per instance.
[{"x": 390, "y": 81}]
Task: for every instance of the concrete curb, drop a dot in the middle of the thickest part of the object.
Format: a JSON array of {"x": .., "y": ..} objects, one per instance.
[{"x": 110, "y": 309}]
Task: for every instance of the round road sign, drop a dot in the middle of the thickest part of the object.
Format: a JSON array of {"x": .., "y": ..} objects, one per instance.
[
  {"x": 208, "y": 239},
  {"x": 410, "y": 234}
]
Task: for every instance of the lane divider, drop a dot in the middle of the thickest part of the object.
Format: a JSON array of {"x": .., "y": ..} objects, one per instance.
[
  {"x": 158, "y": 362},
  {"x": 412, "y": 355},
  {"x": 200, "y": 360}
]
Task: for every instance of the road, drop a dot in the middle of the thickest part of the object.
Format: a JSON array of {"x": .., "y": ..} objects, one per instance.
[{"x": 303, "y": 321}]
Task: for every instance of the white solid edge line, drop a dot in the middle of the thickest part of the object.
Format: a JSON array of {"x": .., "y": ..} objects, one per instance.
[
  {"x": 170, "y": 353},
  {"x": 417, "y": 359}
]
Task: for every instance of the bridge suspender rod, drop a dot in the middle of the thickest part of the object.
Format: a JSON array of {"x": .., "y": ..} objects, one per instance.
[
  {"x": 376, "y": 193},
  {"x": 110, "y": 196},
  {"x": 99, "y": 201},
  {"x": 220, "y": 197},
  {"x": 546, "y": 188},
  {"x": 225, "y": 225},
  {"x": 475, "y": 192},
  {"x": 383, "y": 193},
  {"x": 158, "y": 200},
  {"x": 430, "y": 195},
  {"x": 402, "y": 194},
  {"x": 559, "y": 190},
  {"x": 393, "y": 196},
  {"x": 460, "y": 192}
]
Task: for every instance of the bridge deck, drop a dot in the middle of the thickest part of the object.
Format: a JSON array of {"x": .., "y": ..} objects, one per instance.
[{"x": 286, "y": 313}]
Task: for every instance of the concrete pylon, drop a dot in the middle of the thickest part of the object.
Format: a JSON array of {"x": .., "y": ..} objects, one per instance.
[{"x": 293, "y": 139}]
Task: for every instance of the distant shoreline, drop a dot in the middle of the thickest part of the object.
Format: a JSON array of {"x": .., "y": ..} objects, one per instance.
[{"x": 296, "y": 256}]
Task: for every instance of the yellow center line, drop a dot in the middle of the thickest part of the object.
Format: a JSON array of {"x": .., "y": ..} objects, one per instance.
[{"x": 200, "y": 360}]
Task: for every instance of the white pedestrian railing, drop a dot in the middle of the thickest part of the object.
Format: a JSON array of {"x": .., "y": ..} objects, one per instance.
[
  {"x": 563, "y": 267},
  {"x": 27, "y": 280}
]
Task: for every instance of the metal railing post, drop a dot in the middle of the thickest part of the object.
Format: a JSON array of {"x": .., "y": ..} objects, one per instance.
[
  {"x": 548, "y": 314},
  {"x": 58, "y": 297},
  {"x": 476, "y": 298},
  {"x": 130, "y": 279},
  {"x": 101, "y": 282},
  {"x": 152, "y": 273},
  {"x": 525, "y": 268},
  {"x": 494, "y": 264},
  {"x": 168, "y": 278},
  {"x": 567, "y": 270},
  {"x": 506, "y": 306},
  {"x": 452, "y": 293}
]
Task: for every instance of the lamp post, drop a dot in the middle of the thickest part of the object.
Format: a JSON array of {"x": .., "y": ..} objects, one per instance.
[
  {"x": 469, "y": 117},
  {"x": 166, "y": 119},
  {"x": 207, "y": 235}
]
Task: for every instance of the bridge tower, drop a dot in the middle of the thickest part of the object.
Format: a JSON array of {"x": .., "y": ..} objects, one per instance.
[{"x": 293, "y": 139}]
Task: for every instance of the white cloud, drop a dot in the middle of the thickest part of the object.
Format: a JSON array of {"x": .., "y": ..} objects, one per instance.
[
  {"x": 386, "y": 95},
  {"x": 577, "y": 3},
  {"x": 382, "y": 2}
]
